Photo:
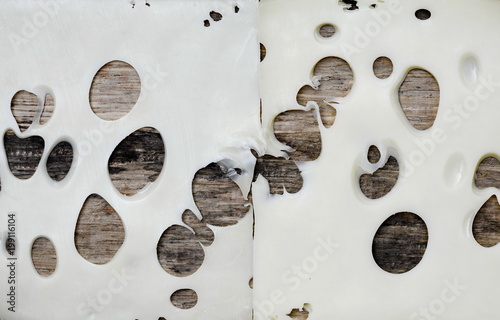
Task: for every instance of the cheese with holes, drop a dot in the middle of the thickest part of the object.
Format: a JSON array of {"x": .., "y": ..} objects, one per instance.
[
  {"x": 199, "y": 90},
  {"x": 313, "y": 249}
]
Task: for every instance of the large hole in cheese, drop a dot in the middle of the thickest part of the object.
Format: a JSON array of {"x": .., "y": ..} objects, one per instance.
[{"x": 400, "y": 242}]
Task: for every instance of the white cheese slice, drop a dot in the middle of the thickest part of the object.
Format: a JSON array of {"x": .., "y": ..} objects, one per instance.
[
  {"x": 314, "y": 246},
  {"x": 199, "y": 90}
]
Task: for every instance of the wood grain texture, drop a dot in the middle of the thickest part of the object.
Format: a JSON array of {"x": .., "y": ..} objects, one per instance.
[
  {"x": 401, "y": 242},
  {"x": 184, "y": 298},
  {"x": 327, "y": 30},
  {"x": 298, "y": 314},
  {"x": 486, "y": 225},
  {"x": 299, "y": 129},
  {"x": 381, "y": 182},
  {"x": 26, "y": 107},
  {"x": 137, "y": 161},
  {"x": 282, "y": 174},
  {"x": 23, "y": 154},
  {"x": 115, "y": 90},
  {"x": 220, "y": 201},
  {"x": 335, "y": 79},
  {"x": 488, "y": 173},
  {"x": 295, "y": 128},
  {"x": 179, "y": 252},
  {"x": 44, "y": 257},
  {"x": 59, "y": 161},
  {"x": 419, "y": 98},
  {"x": 382, "y": 67},
  {"x": 23, "y": 107},
  {"x": 99, "y": 230}
]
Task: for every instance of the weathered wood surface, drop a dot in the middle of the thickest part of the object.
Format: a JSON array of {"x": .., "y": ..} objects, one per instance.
[
  {"x": 137, "y": 161},
  {"x": 296, "y": 128},
  {"x": 99, "y": 231}
]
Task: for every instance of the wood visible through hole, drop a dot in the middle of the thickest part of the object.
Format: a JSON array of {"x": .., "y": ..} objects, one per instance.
[
  {"x": 99, "y": 231},
  {"x": 218, "y": 198},
  {"x": 137, "y": 161},
  {"x": 281, "y": 174},
  {"x": 382, "y": 67},
  {"x": 382, "y": 181},
  {"x": 299, "y": 129},
  {"x": 60, "y": 160},
  {"x": 335, "y": 81},
  {"x": 114, "y": 91},
  {"x": 23, "y": 154},
  {"x": 486, "y": 225},
  {"x": 179, "y": 252},
  {"x": 48, "y": 108},
  {"x": 216, "y": 16},
  {"x": 419, "y": 98},
  {"x": 488, "y": 173},
  {"x": 326, "y": 30},
  {"x": 44, "y": 256},
  {"x": 184, "y": 298},
  {"x": 422, "y": 14},
  {"x": 298, "y": 314},
  {"x": 349, "y": 4},
  {"x": 24, "y": 105},
  {"x": 373, "y": 154},
  {"x": 400, "y": 242},
  {"x": 262, "y": 52}
]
